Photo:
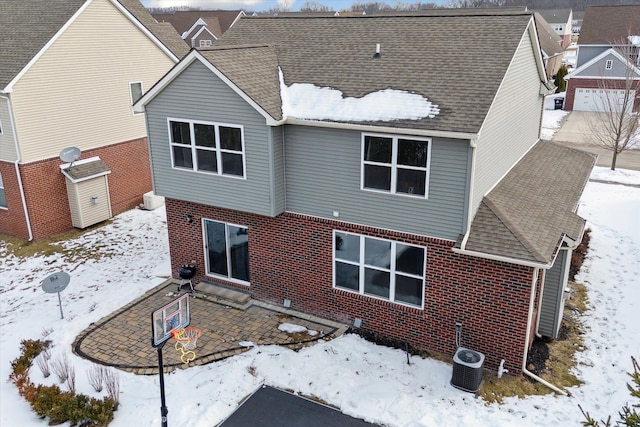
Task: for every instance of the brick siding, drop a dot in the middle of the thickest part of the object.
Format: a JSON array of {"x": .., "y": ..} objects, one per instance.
[
  {"x": 290, "y": 256},
  {"x": 46, "y": 193},
  {"x": 12, "y": 220}
]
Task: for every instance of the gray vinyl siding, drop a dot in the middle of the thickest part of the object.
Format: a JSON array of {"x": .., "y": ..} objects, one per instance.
[
  {"x": 278, "y": 168},
  {"x": 323, "y": 177},
  {"x": 512, "y": 125},
  {"x": 553, "y": 296},
  {"x": 198, "y": 94},
  {"x": 7, "y": 144},
  {"x": 618, "y": 69},
  {"x": 587, "y": 53}
]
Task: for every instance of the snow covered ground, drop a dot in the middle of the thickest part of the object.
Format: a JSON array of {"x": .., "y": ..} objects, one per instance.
[{"x": 365, "y": 380}]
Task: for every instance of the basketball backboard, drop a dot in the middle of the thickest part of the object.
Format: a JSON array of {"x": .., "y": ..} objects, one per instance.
[{"x": 173, "y": 315}]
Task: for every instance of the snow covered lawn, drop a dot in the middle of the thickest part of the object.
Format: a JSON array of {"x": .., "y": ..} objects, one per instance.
[{"x": 363, "y": 379}]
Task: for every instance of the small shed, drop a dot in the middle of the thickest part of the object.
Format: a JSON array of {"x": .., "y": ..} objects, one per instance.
[{"x": 88, "y": 191}]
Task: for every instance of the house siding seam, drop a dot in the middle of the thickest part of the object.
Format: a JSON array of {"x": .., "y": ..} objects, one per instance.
[
  {"x": 509, "y": 132},
  {"x": 597, "y": 83},
  {"x": 48, "y": 204},
  {"x": 290, "y": 256}
]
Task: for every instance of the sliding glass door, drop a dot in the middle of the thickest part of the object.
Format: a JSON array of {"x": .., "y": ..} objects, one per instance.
[{"x": 227, "y": 250}]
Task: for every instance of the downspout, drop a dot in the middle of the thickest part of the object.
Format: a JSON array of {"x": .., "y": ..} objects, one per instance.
[
  {"x": 544, "y": 275},
  {"x": 528, "y": 336},
  {"x": 17, "y": 168}
]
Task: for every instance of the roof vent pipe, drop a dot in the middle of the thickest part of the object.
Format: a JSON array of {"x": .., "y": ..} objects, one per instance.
[{"x": 377, "y": 54}]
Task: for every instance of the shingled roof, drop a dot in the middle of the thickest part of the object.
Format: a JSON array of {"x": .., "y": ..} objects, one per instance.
[
  {"x": 183, "y": 20},
  {"x": 550, "y": 41},
  {"x": 609, "y": 25},
  {"x": 424, "y": 53},
  {"x": 26, "y": 26},
  {"x": 527, "y": 214}
]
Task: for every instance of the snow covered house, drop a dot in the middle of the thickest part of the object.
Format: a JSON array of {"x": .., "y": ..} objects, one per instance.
[
  {"x": 69, "y": 73},
  {"x": 608, "y": 61},
  {"x": 358, "y": 168}
]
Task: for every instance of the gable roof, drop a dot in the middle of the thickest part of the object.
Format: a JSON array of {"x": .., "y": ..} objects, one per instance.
[
  {"x": 550, "y": 41},
  {"x": 183, "y": 20},
  {"x": 608, "y": 25},
  {"x": 420, "y": 54},
  {"x": 609, "y": 52},
  {"x": 555, "y": 16},
  {"x": 527, "y": 215},
  {"x": 27, "y": 26}
]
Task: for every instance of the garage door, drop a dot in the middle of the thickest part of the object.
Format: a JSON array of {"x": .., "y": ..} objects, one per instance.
[{"x": 598, "y": 99}]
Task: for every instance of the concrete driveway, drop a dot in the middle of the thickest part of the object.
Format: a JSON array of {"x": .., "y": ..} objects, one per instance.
[{"x": 575, "y": 132}]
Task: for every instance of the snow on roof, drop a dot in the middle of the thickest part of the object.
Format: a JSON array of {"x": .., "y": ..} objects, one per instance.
[{"x": 310, "y": 102}]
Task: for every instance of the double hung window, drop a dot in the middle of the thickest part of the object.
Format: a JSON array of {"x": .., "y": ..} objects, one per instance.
[
  {"x": 207, "y": 147},
  {"x": 227, "y": 250},
  {"x": 394, "y": 164},
  {"x": 380, "y": 268},
  {"x": 3, "y": 195}
]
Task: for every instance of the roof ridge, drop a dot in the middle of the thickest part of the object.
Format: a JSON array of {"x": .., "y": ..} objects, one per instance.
[
  {"x": 514, "y": 229},
  {"x": 236, "y": 46}
]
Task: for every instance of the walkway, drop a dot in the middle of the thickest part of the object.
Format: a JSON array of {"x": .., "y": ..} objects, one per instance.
[{"x": 230, "y": 321}]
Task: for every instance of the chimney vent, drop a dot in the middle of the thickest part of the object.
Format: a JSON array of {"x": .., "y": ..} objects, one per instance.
[{"x": 377, "y": 54}]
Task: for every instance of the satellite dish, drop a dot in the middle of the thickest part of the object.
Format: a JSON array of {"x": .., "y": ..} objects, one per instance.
[
  {"x": 56, "y": 282},
  {"x": 70, "y": 154}
]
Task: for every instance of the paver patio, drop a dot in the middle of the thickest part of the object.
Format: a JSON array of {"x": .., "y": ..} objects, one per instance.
[{"x": 229, "y": 320}]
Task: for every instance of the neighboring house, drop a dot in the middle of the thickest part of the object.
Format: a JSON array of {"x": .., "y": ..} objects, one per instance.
[
  {"x": 607, "y": 59},
  {"x": 69, "y": 73},
  {"x": 338, "y": 172},
  {"x": 576, "y": 24},
  {"x": 200, "y": 28},
  {"x": 560, "y": 20},
  {"x": 550, "y": 45}
]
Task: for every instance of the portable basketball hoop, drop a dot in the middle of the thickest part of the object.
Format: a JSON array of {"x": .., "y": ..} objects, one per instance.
[{"x": 186, "y": 341}]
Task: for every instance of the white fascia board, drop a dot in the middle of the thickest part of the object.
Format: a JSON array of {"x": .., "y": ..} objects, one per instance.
[
  {"x": 9, "y": 87},
  {"x": 200, "y": 21},
  {"x": 192, "y": 56},
  {"x": 502, "y": 258},
  {"x": 386, "y": 129},
  {"x": 204, "y": 28},
  {"x": 610, "y": 51},
  {"x": 144, "y": 29},
  {"x": 531, "y": 31},
  {"x": 240, "y": 15}
]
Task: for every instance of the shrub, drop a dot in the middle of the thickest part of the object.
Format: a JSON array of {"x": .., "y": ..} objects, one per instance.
[
  {"x": 559, "y": 81},
  {"x": 50, "y": 401}
]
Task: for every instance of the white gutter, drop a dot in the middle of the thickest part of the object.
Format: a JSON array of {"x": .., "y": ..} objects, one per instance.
[
  {"x": 15, "y": 163},
  {"x": 544, "y": 275},
  {"x": 502, "y": 258},
  {"x": 528, "y": 336}
]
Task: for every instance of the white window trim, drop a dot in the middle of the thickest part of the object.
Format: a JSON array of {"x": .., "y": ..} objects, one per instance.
[
  {"x": 1, "y": 128},
  {"x": 608, "y": 65},
  {"x": 392, "y": 270},
  {"x": 217, "y": 149},
  {"x": 131, "y": 95},
  {"x": 394, "y": 164},
  {"x": 203, "y": 43},
  {"x": 205, "y": 251}
]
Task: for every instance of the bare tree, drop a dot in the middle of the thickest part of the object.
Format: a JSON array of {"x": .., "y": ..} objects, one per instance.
[
  {"x": 314, "y": 6},
  {"x": 617, "y": 128}
]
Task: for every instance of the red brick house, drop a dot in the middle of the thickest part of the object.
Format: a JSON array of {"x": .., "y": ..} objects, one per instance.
[
  {"x": 342, "y": 176},
  {"x": 69, "y": 73}
]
